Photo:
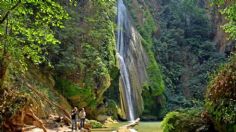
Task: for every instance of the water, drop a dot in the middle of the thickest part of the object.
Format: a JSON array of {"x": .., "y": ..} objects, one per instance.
[
  {"x": 127, "y": 88},
  {"x": 121, "y": 23},
  {"x": 141, "y": 127}
]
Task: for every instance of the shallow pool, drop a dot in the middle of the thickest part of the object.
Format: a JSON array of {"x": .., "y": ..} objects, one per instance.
[{"x": 141, "y": 127}]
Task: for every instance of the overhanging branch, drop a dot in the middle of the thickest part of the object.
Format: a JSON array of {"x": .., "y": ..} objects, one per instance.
[{"x": 8, "y": 12}]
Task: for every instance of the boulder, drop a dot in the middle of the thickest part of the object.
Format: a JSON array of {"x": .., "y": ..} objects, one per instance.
[
  {"x": 102, "y": 118},
  {"x": 109, "y": 121}
]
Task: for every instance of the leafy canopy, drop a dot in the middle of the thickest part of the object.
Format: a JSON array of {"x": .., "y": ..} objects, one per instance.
[{"x": 26, "y": 28}]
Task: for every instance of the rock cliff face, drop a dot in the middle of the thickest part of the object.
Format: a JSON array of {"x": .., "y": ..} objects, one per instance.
[
  {"x": 184, "y": 45},
  {"x": 220, "y": 37},
  {"x": 143, "y": 20},
  {"x": 137, "y": 64}
]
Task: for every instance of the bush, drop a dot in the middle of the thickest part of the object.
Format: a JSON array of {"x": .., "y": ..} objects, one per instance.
[
  {"x": 11, "y": 103},
  {"x": 167, "y": 123},
  {"x": 95, "y": 124},
  {"x": 221, "y": 97},
  {"x": 185, "y": 120},
  {"x": 112, "y": 109},
  {"x": 75, "y": 94}
]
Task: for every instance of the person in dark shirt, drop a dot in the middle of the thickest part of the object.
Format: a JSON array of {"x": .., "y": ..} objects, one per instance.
[{"x": 74, "y": 118}]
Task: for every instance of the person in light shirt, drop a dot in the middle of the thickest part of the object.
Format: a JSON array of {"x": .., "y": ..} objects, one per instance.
[{"x": 82, "y": 115}]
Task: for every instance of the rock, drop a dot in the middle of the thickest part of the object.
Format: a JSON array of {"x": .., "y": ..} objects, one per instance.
[
  {"x": 63, "y": 120},
  {"x": 102, "y": 118},
  {"x": 123, "y": 129},
  {"x": 109, "y": 121},
  {"x": 121, "y": 113},
  {"x": 204, "y": 128},
  {"x": 87, "y": 127},
  {"x": 94, "y": 123}
]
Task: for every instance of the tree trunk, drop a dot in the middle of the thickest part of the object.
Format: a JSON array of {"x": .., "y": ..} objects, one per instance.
[
  {"x": 3, "y": 68},
  {"x": 5, "y": 58},
  {"x": 126, "y": 128}
]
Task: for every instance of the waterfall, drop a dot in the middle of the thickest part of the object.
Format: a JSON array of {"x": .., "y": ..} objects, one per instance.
[
  {"x": 127, "y": 90},
  {"x": 133, "y": 62},
  {"x": 123, "y": 68}
]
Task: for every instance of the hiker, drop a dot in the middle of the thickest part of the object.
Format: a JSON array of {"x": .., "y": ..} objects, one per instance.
[
  {"x": 82, "y": 115},
  {"x": 74, "y": 118}
]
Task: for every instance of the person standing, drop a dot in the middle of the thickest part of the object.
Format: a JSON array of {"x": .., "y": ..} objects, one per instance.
[
  {"x": 82, "y": 115},
  {"x": 74, "y": 118}
]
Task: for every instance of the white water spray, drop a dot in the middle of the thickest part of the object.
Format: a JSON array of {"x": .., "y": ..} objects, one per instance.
[{"x": 121, "y": 23}]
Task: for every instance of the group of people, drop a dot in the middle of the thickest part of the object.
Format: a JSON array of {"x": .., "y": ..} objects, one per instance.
[{"x": 74, "y": 118}]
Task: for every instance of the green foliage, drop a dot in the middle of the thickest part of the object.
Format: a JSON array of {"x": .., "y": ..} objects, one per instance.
[
  {"x": 155, "y": 75},
  {"x": 78, "y": 96},
  {"x": 88, "y": 49},
  {"x": 147, "y": 29},
  {"x": 86, "y": 55},
  {"x": 26, "y": 28},
  {"x": 221, "y": 96},
  {"x": 185, "y": 51},
  {"x": 228, "y": 9},
  {"x": 166, "y": 123},
  {"x": 220, "y": 104},
  {"x": 100, "y": 30},
  {"x": 155, "y": 86},
  {"x": 95, "y": 124},
  {"x": 186, "y": 120},
  {"x": 95, "y": 69},
  {"x": 26, "y": 31},
  {"x": 112, "y": 109}
]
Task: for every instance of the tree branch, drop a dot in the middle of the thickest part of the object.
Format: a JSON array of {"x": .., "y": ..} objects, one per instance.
[{"x": 8, "y": 12}]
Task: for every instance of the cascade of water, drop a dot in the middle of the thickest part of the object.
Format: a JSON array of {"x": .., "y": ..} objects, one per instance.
[
  {"x": 121, "y": 23},
  {"x": 127, "y": 87}
]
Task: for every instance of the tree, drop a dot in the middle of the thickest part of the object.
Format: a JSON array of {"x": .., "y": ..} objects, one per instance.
[
  {"x": 185, "y": 51},
  {"x": 221, "y": 96},
  {"x": 86, "y": 56},
  {"x": 26, "y": 31},
  {"x": 228, "y": 9}
]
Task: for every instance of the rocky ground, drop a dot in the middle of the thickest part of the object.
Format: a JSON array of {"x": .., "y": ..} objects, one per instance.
[{"x": 59, "y": 129}]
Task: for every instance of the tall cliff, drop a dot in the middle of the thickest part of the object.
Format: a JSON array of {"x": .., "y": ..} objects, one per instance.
[
  {"x": 184, "y": 43},
  {"x": 86, "y": 62},
  {"x": 170, "y": 47},
  {"x": 77, "y": 71},
  {"x": 153, "y": 88},
  {"x": 218, "y": 111}
]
